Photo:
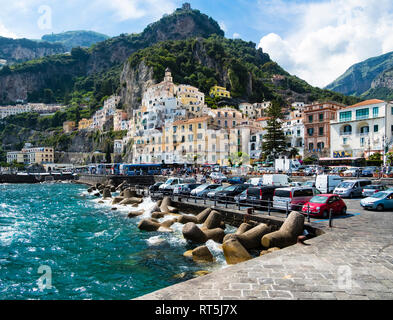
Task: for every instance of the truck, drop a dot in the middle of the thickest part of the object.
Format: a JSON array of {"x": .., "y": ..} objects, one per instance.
[
  {"x": 275, "y": 180},
  {"x": 286, "y": 165},
  {"x": 327, "y": 183}
]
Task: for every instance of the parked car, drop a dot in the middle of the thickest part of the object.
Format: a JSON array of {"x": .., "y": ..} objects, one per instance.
[
  {"x": 327, "y": 183},
  {"x": 353, "y": 172},
  {"x": 368, "y": 171},
  {"x": 310, "y": 184},
  {"x": 185, "y": 188},
  {"x": 236, "y": 180},
  {"x": 260, "y": 196},
  {"x": 320, "y": 205},
  {"x": 351, "y": 188},
  {"x": 371, "y": 189},
  {"x": 230, "y": 192},
  {"x": 295, "y": 184},
  {"x": 170, "y": 184},
  {"x": 218, "y": 176},
  {"x": 255, "y": 181},
  {"x": 276, "y": 179},
  {"x": 294, "y": 197},
  {"x": 241, "y": 198},
  {"x": 211, "y": 194},
  {"x": 378, "y": 201},
  {"x": 154, "y": 187},
  {"x": 203, "y": 190}
]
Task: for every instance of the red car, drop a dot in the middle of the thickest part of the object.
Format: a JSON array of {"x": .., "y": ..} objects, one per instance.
[{"x": 321, "y": 204}]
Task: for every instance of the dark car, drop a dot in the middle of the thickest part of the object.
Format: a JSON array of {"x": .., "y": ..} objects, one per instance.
[
  {"x": 230, "y": 192},
  {"x": 186, "y": 190},
  {"x": 154, "y": 187},
  {"x": 368, "y": 171},
  {"x": 260, "y": 196},
  {"x": 237, "y": 180}
]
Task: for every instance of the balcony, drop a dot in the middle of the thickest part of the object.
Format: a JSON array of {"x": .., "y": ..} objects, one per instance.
[{"x": 345, "y": 133}]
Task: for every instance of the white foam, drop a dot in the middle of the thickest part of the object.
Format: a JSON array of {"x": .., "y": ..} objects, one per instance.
[{"x": 154, "y": 241}]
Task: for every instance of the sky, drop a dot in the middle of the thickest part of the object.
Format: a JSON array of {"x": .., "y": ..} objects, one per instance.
[{"x": 316, "y": 40}]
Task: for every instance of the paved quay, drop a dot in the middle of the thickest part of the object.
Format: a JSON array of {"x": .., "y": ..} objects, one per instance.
[{"x": 353, "y": 260}]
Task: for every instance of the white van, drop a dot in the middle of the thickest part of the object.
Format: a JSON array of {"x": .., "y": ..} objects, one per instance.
[
  {"x": 255, "y": 181},
  {"x": 170, "y": 184},
  {"x": 275, "y": 180},
  {"x": 327, "y": 183}
]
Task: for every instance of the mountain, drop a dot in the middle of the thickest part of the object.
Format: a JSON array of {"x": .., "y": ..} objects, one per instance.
[
  {"x": 366, "y": 79},
  {"x": 247, "y": 72},
  {"x": 102, "y": 62},
  {"x": 72, "y": 39},
  {"x": 20, "y": 50}
]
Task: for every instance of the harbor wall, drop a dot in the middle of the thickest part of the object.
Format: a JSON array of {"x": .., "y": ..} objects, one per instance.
[
  {"x": 32, "y": 178},
  {"x": 132, "y": 180}
]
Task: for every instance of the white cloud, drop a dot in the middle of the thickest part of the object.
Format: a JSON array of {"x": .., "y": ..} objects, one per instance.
[
  {"x": 223, "y": 26},
  {"x": 236, "y": 35},
  {"x": 4, "y": 32},
  {"x": 328, "y": 37}
]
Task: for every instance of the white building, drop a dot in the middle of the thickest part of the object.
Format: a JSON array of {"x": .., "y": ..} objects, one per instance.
[
  {"x": 294, "y": 132},
  {"x": 255, "y": 110},
  {"x": 362, "y": 129}
]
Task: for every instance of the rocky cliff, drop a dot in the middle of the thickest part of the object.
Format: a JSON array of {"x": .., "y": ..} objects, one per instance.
[
  {"x": 20, "y": 50},
  {"x": 102, "y": 56},
  {"x": 359, "y": 78}
]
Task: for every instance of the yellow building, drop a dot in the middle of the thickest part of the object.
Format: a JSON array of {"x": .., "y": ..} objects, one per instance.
[
  {"x": 85, "y": 124},
  {"x": 218, "y": 91},
  {"x": 68, "y": 126},
  {"x": 32, "y": 155},
  {"x": 190, "y": 98}
]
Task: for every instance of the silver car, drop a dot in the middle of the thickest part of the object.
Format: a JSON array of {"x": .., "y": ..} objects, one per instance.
[
  {"x": 351, "y": 188},
  {"x": 371, "y": 189}
]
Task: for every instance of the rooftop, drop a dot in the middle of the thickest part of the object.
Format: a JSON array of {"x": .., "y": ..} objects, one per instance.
[{"x": 367, "y": 103}]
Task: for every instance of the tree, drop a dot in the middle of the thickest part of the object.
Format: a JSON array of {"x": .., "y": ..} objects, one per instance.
[
  {"x": 293, "y": 153},
  {"x": 274, "y": 143},
  {"x": 375, "y": 157}
]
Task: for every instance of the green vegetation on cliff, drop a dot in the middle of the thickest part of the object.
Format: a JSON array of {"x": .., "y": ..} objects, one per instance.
[
  {"x": 73, "y": 39},
  {"x": 246, "y": 71}
]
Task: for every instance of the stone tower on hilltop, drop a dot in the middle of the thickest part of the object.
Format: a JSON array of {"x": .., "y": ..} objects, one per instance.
[{"x": 186, "y": 6}]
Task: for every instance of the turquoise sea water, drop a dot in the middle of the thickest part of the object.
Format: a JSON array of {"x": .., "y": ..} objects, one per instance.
[{"x": 92, "y": 251}]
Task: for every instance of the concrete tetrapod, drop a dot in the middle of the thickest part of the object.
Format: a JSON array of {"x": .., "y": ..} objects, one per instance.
[
  {"x": 242, "y": 228},
  {"x": 251, "y": 239},
  {"x": 202, "y": 254},
  {"x": 234, "y": 252},
  {"x": 287, "y": 234},
  {"x": 135, "y": 214},
  {"x": 106, "y": 193},
  {"x": 193, "y": 233},
  {"x": 165, "y": 203},
  {"x": 198, "y": 219},
  {"x": 149, "y": 225},
  {"x": 131, "y": 201},
  {"x": 213, "y": 221},
  {"x": 117, "y": 200},
  {"x": 128, "y": 193}
]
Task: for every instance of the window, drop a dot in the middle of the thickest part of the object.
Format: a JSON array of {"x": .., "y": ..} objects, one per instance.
[
  {"x": 199, "y": 125},
  {"x": 310, "y": 131},
  {"x": 345, "y": 116},
  {"x": 345, "y": 141},
  {"x": 362, "y": 114},
  {"x": 199, "y": 136},
  {"x": 376, "y": 128},
  {"x": 310, "y": 119},
  {"x": 320, "y": 145},
  {"x": 310, "y": 146},
  {"x": 190, "y": 127},
  {"x": 347, "y": 129},
  {"x": 320, "y": 117},
  {"x": 362, "y": 142},
  {"x": 321, "y": 131},
  {"x": 375, "y": 112},
  {"x": 364, "y": 130}
]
